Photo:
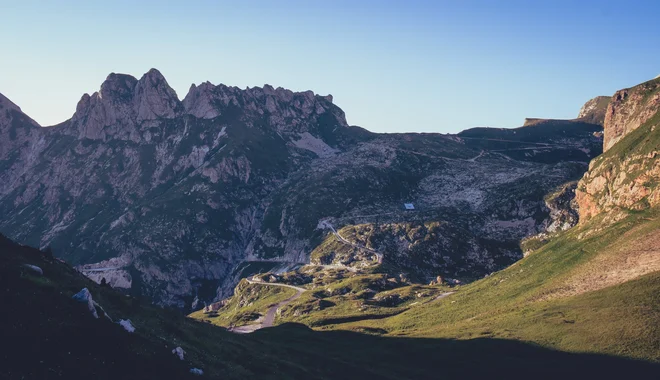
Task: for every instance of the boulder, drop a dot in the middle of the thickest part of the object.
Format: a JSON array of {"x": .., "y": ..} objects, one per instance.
[
  {"x": 127, "y": 325},
  {"x": 84, "y": 296},
  {"x": 438, "y": 281},
  {"x": 196, "y": 371},
  {"x": 179, "y": 352},
  {"x": 34, "y": 269}
]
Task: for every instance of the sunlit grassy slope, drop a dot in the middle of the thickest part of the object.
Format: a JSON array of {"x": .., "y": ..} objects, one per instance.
[
  {"x": 561, "y": 296},
  {"x": 590, "y": 289},
  {"x": 250, "y": 302}
]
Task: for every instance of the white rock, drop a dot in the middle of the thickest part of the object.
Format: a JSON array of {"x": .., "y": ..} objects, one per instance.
[
  {"x": 84, "y": 296},
  {"x": 196, "y": 371},
  {"x": 314, "y": 144},
  {"x": 179, "y": 352},
  {"x": 34, "y": 268},
  {"x": 127, "y": 325}
]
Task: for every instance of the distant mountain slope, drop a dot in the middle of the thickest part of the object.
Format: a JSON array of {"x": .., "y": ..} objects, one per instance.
[
  {"x": 594, "y": 110},
  {"x": 545, "y": 140},
  {"x": 174, "y": 199}
]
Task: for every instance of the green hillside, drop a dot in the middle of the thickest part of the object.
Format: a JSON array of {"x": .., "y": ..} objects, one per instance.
[
  {"x": 569, "y": 295},
  {"x": 52, "y": 336},
  {"x": 554, "y": 299}
]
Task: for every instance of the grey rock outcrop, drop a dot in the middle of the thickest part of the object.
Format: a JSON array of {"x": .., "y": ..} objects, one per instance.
[
  {"x": 35, "y": 269},
  {"x": 196, "y": 371},
  {"x": 179, "y": 352},
  {"x": 154, "y": 98},
  {"x": 84, "y": 296},
  {"x": 127, "y": 325},
  {"x": 563, "y": 208}
]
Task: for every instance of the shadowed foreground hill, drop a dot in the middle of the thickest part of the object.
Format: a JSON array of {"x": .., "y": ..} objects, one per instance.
[{"x": 47, "y": 335}]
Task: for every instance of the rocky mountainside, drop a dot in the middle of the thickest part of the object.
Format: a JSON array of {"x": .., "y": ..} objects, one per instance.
[
  {"x": 177, "y": 200},
  {"x": 160, "y": 198},
  {"x": 629, "y": 109},
  {"x": 625, "y": 178},
  {"x": 594, "y": 110}
]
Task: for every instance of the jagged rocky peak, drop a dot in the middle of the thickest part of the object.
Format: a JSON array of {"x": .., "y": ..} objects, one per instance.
[
  {"x": 118, "y": 86},
  {"x": 199, "y": 101},
  {"x": 155, "y": 98},
  {"x": 124, "y": 103},
  {"x": 208, "y": 101}
]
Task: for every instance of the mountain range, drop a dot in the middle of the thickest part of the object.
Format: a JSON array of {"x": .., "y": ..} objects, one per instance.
[{"x": 177, "y": 200}]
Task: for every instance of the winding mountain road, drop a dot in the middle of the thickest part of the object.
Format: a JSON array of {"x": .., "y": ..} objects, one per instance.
[
  {"x": 327, "y": 224},
  {"x": 269, "y": 319},
  {"x": 93, "y": 270}
]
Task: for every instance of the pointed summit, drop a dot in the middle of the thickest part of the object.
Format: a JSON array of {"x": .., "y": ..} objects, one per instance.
[
  {"x": 119, "y": 86},
  {"x": 199, "y": 101},
  {"x": 123, "y": 104},
  {"x": 154, "y": 98}
]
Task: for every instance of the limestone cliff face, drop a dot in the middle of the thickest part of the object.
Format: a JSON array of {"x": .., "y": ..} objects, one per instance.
[
  {"x": 630, "y": 108},
  {"x": 614, "y": 187},
  {"x": 626, "y": 176}
]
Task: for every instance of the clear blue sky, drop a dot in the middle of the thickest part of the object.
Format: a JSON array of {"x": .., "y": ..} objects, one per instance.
[{"x": 434, "y": 66}]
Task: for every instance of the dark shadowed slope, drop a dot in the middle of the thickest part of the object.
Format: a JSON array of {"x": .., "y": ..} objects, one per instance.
[{"x": 49, "y": 336}]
